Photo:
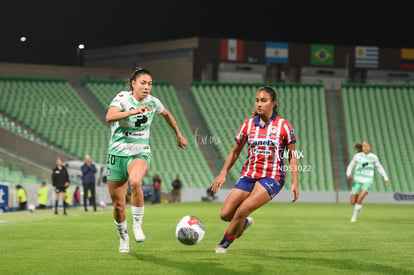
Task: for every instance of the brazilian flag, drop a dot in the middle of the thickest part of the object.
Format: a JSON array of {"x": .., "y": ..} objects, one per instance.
[{"x": 322, "y": 54}]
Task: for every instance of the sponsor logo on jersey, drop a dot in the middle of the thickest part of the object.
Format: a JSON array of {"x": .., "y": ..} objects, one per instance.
[
  {"x": 132, "y": 134},
  {"x": 262, "y": 152},
  {"x": 262, "y": 142}
]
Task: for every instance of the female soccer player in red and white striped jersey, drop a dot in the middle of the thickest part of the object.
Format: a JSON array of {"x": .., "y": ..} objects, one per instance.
[{"x": 269, "y": 138}]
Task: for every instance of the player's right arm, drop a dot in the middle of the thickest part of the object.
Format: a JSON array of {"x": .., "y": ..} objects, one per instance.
[
  {"x": 350, "y": 167},
  {"x": 115, "y": 114},
  {"x": 231, "y": 159}
]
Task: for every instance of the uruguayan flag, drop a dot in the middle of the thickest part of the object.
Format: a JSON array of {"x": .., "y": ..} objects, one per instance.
[{"x": 366, "y": 57}]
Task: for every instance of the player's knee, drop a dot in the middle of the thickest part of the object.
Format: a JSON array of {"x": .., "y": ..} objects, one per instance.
[
  {"x": 353, "y": 199},
  {"x": 135, "y": 182},
  {"x": 241, "y": 214},
  {"x": 119, "y": 207},
  {"x": 225, "y": 217}
]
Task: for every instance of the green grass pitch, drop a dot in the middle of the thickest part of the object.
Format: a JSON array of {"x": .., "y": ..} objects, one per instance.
[{"x": 297, "y": 238}]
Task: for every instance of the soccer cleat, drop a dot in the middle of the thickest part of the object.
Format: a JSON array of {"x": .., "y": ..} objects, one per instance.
[
  {"x": 220, "y": 250},
  {"x": 139, "y": 234},
  {"x": 353, "y": 219},
  {"x": 250, "y": 221},
  {"x": 124, "y": 244}
]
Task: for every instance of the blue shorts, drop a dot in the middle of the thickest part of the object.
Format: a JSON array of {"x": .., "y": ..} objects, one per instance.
[{"x": 272, "y": 186}]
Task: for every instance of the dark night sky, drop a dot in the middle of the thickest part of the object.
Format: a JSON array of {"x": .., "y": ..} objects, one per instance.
[{"x": 54, "y": 28}]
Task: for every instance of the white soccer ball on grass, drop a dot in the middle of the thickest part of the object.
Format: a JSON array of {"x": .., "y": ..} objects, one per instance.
[{"x": 189, "y": 230}]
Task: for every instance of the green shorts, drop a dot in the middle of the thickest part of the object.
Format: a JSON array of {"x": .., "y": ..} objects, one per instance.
[
  {"x": 357, "y": 186},
  {"x": 116, "y": 166}
]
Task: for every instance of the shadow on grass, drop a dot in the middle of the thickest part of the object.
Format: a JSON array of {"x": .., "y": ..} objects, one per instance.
[
  {"x": 217, "y": 265},
  {"x": 200, "y": 266},
  {"x": 341, "y": 264},
  {"x": 348, "y": 265}
]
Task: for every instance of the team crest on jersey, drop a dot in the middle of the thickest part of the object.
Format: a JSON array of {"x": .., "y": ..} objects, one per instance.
[{"x": 273, "y": 130}]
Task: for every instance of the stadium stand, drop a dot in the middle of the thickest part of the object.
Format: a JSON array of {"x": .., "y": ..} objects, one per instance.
[
  {"x": 14, "y": 173},
  {"x": 225, "y": 106},
  {"x": 14, "y": 127},
  {"x": 383, "y": 115},
  {"x": 49, "y": 111},
  {"x": 168, "y": 160},
  {"x": 18, "y": 169},
  {"x": 53, "y": 109}
]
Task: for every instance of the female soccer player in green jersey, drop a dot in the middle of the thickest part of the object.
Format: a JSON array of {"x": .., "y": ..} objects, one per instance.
[
  {"x": 129, "y": 155},
  {"x": 364, "y": 163}
]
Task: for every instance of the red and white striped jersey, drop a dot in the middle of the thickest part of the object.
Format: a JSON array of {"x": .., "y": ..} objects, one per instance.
[{"x": 267, "y": 146}]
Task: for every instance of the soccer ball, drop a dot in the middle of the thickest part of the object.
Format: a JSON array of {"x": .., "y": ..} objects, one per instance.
[
  {"x": 189, "y": 230},
  {"x": 31, "y": 208},
  {"x": 102, "y": 204}
]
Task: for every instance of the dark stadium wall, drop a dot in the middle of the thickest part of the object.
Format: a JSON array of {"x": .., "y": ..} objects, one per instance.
[
  {"x": 33, "y": 151},
  {"x": 182, "y": 61},
  {"x": 67, "y": 72},
  {"x": 207, "y": 60},
  {"x": 170, "y": 60}
]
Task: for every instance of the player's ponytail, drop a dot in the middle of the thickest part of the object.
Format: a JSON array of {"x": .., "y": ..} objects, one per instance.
[{"x": 358, "y": 147}]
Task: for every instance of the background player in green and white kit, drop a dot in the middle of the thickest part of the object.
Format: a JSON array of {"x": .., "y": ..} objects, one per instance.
[
  {"x": 364, "y": 163},
  {"x": 129, "y": 155}
]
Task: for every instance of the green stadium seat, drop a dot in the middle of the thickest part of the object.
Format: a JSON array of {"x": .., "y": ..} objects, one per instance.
[
  {"x": 29, "y": 179},
  {"x": 4, "y": 171},
  {"x": 61, "y": 115},
  {"x": 14, "y": 177},
  {"x": 15, "y": 167}
]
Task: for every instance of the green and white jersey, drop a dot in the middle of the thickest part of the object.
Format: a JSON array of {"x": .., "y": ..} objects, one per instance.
[
  {"x": 364, "y": 167},
  {"x": 130, "y": 136}
]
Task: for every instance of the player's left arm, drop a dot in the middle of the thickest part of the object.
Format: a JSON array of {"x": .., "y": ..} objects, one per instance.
[
  {"x": 289, "y": 135},
  {"x": 293, "y": 164},
  {"x": 181, "y": 141},
  {"x": 381, "y": 170}
]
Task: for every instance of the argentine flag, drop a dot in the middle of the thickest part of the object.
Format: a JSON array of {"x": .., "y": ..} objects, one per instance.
[{"x": 276, "y": 52}]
